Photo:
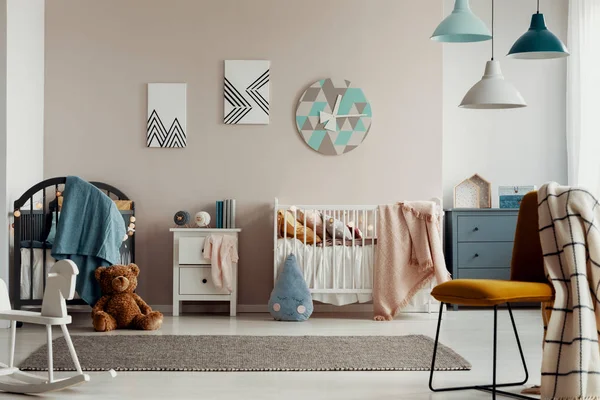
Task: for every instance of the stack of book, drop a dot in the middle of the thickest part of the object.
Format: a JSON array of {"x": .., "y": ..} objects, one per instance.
[{"x": 226, "y": 214}]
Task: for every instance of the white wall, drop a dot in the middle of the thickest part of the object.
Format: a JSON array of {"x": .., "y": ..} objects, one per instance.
[
  {"x": 25, "y": 94},
  {"x": 4, "y": 220},
  {"x": 507, "y": 147},
  {"x": 21, "y": 107}
]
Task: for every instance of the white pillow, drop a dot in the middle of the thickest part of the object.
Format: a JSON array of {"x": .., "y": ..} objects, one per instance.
[{"x": 337, "y": 229}]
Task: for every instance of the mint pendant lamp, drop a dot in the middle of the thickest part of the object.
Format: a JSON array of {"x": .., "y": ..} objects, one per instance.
[
  {"x": 493, "y": 92},
  {"x": 461, "y": 26},
  {"x": 538, "y": 42}
]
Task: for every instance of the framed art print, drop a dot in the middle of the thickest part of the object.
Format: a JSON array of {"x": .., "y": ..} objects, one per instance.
[
  {"x": 166, "y": 124},
  {"x": 246, "y": 88}
]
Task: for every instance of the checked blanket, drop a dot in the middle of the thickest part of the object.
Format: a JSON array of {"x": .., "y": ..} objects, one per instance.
[{"x": 569, "y": 222}]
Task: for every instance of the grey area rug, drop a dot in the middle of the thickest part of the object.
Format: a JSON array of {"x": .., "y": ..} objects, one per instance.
[{"x": 248, "y": 353}]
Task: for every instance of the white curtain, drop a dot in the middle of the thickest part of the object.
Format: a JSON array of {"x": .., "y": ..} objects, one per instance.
[{"x": 583, "y": 94}]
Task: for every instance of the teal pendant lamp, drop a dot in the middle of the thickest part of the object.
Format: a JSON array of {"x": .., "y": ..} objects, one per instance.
[
  {"x": 461, "y": 26},
  {"x": 538, "y": 42}
]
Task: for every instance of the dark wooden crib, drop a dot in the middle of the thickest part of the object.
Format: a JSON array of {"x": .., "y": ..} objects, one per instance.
[{"x": 33, "y": 218}]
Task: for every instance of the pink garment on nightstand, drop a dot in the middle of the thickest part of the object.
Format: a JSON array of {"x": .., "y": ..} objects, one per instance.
[{"x": 221, "y": 250}]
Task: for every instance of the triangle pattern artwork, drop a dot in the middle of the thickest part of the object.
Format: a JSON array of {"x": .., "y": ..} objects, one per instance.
[
  {"x": 246, "y": 87},
  {"x": 166, "y": 108},
  {"x": 353, "y": 116}
]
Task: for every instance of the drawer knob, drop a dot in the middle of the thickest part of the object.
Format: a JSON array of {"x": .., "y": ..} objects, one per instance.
[
  {"x": 476, "y": 255},
  {"x": 475, "y": 229},
  {"x": 204, "y": 280}
]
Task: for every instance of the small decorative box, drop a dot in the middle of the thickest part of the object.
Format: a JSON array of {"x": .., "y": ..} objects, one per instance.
[
  {"x": 466, "y": 195},
  {"x": 511, "y": 196}
]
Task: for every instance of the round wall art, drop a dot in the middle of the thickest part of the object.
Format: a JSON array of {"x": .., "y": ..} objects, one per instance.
[{"x": 333, "y": 117}]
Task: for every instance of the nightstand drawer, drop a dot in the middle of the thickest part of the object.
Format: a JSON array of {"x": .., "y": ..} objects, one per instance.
[
  {"x": 486, "y": 228},
  {"x": 197, "y": 280},
  {"x": 190, "y": 250},
  {"x": 485, "y": 254},
  {"x": 484, "y": 273}
]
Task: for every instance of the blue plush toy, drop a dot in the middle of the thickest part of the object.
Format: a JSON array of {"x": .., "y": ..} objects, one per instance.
[{"x": 290, "y": 299}]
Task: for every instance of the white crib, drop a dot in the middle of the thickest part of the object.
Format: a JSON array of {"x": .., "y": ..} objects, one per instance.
[{"x": 338, "y": 274}]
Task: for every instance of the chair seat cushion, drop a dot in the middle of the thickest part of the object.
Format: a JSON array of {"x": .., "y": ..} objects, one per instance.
[{"x": 488, "y": 292}]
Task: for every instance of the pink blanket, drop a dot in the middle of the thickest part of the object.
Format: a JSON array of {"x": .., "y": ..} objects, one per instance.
[
  {"x": 221, "y": 250},
  {"x": 409, "y": 255}
]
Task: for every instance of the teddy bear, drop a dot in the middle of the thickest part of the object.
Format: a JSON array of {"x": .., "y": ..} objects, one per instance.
[{"x": 119, "y": 307}]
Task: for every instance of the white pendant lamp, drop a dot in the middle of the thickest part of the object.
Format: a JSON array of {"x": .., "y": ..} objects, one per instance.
[{"x": 493, "y": 92}]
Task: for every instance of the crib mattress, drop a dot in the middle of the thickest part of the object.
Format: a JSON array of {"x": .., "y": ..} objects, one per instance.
[
  {"x": 38, "y": 272},
  {"x": 324, "y": 268},
  {"x": 321, "y": 259}
]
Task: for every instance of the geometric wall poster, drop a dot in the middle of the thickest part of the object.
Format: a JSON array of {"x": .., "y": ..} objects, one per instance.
[
  {"x": 333, "y": 117},
  {"x": 246, "y": 92},
  {"x": 167, "y": 124}
]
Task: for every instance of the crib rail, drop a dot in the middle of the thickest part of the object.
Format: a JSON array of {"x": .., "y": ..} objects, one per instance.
[
  {"x": 32, "y": 225},
  {"x": 342, "y": 267}
]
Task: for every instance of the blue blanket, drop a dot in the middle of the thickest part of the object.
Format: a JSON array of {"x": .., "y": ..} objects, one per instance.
[{"x": 90, "y": 232}]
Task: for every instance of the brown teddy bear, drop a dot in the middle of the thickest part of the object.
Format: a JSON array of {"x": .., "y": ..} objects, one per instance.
[{"x": 119, "y": 307}]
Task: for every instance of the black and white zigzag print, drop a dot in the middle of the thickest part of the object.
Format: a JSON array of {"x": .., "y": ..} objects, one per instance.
[
  {"x": 159, "y": 136},
  {"x": 241, "y": 106},
  {"x": 253, "y": 91}
]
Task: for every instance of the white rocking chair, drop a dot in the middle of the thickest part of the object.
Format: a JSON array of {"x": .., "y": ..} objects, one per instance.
[{"x": 60, "y": 286}]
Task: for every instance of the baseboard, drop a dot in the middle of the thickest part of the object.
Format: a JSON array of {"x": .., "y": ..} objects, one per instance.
[
  {"x": 258, "y": 308},
  {"x": 262, "y": 308}
]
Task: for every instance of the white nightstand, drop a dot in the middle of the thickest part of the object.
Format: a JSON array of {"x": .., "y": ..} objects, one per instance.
[{"x": 192, "y": 280}]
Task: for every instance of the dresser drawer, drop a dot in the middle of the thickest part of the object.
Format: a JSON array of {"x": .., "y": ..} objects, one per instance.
[
  {"x": 197, "y": 280},
  {"x": 190, "y": 250},
  {"x": 486, "y": 228},
  {"x": 484, "y": 273},
  {"x": 484, "y": 254}
]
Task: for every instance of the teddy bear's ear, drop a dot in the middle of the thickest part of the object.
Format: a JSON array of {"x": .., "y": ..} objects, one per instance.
[
  {"x": 135, "y": 269},
  {"x": 98, "y": 273}
]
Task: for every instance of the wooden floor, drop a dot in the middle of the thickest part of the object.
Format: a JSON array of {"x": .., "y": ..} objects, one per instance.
[{"x": 468, "y": 332}]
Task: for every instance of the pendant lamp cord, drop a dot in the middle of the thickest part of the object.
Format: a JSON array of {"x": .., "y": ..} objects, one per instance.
[
  {"x": 538, "y": 7},
  {"x": 493, "y": 30}
]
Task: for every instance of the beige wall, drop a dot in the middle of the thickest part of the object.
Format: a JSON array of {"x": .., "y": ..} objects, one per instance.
[{"x": 101, "y": 54}]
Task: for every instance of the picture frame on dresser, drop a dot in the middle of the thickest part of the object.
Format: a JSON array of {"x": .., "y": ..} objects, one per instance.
[
  {"x": 479, "y": 242},
  {"x": 192, "y": 276}
]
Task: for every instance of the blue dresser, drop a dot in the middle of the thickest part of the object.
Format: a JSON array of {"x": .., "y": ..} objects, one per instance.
[{"x": 479, "y": 242}]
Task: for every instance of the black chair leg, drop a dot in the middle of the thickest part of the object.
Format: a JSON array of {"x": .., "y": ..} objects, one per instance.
[
  {"x": 493, "y": 388},
  {"x": 495, "y": 352},
  {"x": 512, "y": 320}
]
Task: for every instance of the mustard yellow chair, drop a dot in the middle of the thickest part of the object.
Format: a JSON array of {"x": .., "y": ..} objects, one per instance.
[{"x": 528, "y": 283}]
